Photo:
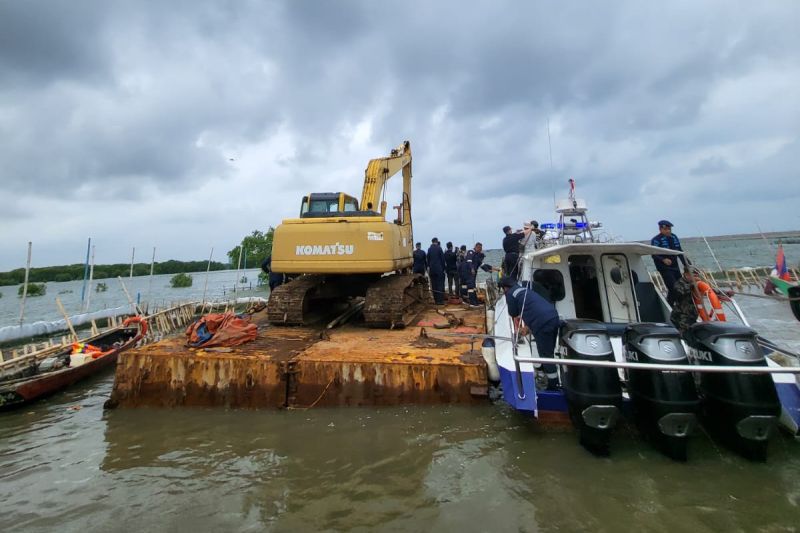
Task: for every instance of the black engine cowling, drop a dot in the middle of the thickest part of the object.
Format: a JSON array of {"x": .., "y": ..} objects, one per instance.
[
  {"x": 740, "y": 409},
  {"x": 664, "y": 403},
  {"x": 594, "y": 395}
]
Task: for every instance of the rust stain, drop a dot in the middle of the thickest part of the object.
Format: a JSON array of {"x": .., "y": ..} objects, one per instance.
[{"x": 297, "y": 367}]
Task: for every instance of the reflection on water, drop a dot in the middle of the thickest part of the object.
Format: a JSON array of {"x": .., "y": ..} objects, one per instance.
[{"x": 467, "y": 469}]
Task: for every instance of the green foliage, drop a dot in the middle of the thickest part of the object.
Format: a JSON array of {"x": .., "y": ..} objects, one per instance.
[
  {"x": 75, "y": 272},
  {"x": 101, "y": 287},
  {"x": 257, "y": 246},
  {"x": 34, "y": 289},
  {"x": 181, "y": 280}
]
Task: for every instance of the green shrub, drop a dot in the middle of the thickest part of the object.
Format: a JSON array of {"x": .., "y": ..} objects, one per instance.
[
  {"x": 100, "y": 287},
  {"x": 181, "y": 280},
  {"x": 34, "y": 289},
  {"x": 62, "y": 276}
]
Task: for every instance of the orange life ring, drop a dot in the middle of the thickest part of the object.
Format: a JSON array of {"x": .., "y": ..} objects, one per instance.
[
  {"x": 141, "y": 321},
  {"x": 705, "y": 292}
]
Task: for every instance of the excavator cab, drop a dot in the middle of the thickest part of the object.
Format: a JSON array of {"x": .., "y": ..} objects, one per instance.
[{"x": 331, "y": 204}]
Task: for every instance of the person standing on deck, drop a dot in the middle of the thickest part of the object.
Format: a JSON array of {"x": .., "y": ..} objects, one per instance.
[
  {"x": 461, "y": 253},
  {"x": 468, "y": 272},
  {"x": 667, "y": 265},
  {"x": 436, "y": 270},
  {"x": 420, "y": 260},
  {"x": 539, "y": 316},
  {"x": 275, "y": 278},
  {"x": 511, "y": 245},
  {"x": 684, "y": 311},
  {"x": 450, "y": 268}
]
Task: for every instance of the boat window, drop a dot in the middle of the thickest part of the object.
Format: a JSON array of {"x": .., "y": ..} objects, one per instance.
[
  {"x": 552, "y": 281},
  {"x": 585, "y": 287},
  {"x": 616, "y": 275},
  {"x": 304, "y": 206}
]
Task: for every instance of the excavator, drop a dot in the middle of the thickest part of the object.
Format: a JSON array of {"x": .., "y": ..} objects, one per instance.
[{"x": 346, "y": 253}]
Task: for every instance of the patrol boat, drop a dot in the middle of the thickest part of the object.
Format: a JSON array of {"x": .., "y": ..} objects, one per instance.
[{"x": 618, "y": 355}]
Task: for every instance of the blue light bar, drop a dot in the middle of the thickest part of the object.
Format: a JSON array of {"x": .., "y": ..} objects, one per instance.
[{"x": 555, "y": 225}]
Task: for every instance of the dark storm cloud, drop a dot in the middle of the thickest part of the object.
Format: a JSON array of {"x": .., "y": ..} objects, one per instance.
[{"x": 99, "y": 98}]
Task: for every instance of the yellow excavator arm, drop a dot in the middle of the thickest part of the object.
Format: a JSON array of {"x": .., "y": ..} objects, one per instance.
[{"x": 378, "y": 173}]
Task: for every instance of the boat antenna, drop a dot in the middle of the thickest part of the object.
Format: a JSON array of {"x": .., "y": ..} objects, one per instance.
[{"x": 552, "y": 173}]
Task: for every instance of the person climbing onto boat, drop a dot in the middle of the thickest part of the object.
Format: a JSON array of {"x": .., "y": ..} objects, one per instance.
[
  {"x": 420, "y": 264},
  {"x": 684, "y": 311},
  {"x": 275, "y": 278},
  {"x": 511, "y": 246},
  {"x": 667, "y": 265},
  {"x": 451, "y": 268},
  {"x": 436, "y": 270},
  {"x": 539, "y": 316},
  {"x": 468, "y": 272}
]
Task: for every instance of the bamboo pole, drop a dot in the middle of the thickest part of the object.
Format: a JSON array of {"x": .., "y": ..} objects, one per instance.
[
  {"x": 25, "y": 285},
  {"x": 150, "y": 282},
  {"x": 86, "y": 270},
  {"x": 91, "y": 277},
  {"x": 66, "y": 318},
  {"x": 133, "y": 254},
  {"x": 128, "y": 296},
  {"x": 208, "y": 269}
]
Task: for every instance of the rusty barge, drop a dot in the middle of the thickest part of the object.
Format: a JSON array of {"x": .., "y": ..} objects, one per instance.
[{"x": 305, "y": 366}]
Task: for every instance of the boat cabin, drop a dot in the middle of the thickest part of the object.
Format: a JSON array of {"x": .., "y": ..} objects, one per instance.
[{"x": 607, "y": 282}]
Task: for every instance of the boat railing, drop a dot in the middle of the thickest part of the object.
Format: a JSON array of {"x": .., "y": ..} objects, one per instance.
[{"x": 662, "y": 366}]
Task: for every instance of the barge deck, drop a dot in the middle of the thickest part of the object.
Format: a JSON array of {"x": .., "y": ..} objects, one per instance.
[{"x": 303, "y": 367}]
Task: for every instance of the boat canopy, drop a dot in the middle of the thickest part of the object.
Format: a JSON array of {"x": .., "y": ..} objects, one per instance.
[{"x": 600, "y": 247}]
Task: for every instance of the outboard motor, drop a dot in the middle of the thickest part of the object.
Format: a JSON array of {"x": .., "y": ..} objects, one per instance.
[
  {"x": 593, "y": 394},
  {"x": 740, "y": 409},
  {"x": 665, "y": 403}
]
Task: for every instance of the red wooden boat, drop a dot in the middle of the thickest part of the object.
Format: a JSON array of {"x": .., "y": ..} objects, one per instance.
[{"x": 45, "y": 376}]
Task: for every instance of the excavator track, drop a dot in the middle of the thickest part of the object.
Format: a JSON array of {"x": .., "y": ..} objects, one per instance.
[
  {"x": 289, "y": 303},
  {"x": 394, "y": 300}
]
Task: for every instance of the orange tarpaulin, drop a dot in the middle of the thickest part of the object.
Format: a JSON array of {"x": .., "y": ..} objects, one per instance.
[{"x": 221, "y": 329}]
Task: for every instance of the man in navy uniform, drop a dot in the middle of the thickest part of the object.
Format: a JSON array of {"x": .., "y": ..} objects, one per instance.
[
  {"x": 511, "y": 244},
  {"x": 436, "y": 269},
  {"x": 420, "y": 260},
  {"x": 539, "y": 316},
  {"x": 450, "y": 268},
  {"x": 667, "y": 265},
  {"x": 468, "y": 272},
  {"x": 275, "y": 278}
]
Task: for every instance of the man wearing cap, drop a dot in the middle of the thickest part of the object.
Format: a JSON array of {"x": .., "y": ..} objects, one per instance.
[
  {"x": 436, "y": 268},
  {"x": 684, "y": 311},
  {"x": 420, "y": 264},
  {"x": 539, "y": 316},
  {"x": 667, "y": 265},
  {"x": 511, "y": 243},
  {"x": 468, "y": 272}
]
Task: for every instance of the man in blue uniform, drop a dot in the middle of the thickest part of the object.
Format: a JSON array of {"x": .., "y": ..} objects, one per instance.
[
  {"x": 275, "y": 278},
  {"x": 436, "y": 269},
  {"x": 468, "y": 272},
  {"x": 511, "y": 244},
  {"x": 451, "y": 268},
  {"x": 539, "y": 316},
  {"x": 667, "y": 265},
  {"x": 420, "y": 260}
]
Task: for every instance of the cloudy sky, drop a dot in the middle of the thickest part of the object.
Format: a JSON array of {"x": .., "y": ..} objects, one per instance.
[{"x": 186, "y": 125}]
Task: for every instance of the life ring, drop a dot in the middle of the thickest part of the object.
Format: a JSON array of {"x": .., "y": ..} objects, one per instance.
[
  {"x": 705, "y": 292},
  {"x": 140, "y": 321}
]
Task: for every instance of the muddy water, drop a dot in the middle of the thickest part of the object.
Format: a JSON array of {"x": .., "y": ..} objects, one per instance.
[{"x": 66, "y": 464}]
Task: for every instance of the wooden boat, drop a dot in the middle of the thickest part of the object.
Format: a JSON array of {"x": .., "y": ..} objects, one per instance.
[{"x": 38, "y": 375}]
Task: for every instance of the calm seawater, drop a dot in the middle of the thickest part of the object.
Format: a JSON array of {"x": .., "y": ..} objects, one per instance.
[{"x": 67, "y": 465}]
